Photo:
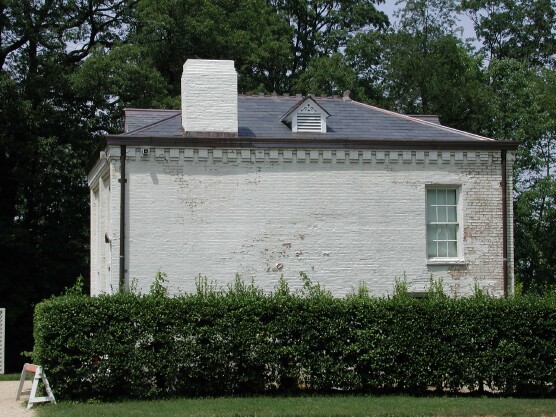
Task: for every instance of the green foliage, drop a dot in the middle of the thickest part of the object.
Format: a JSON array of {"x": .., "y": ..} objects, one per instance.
[
  {"x": 76, "y": 289},
  {"x": 321, "y": 29},
  {"x": 157, "y": 288},
  {"x": 111, "y": 80},
  {"x": 436, "y": 76},
  {"x": 401, "y": 287},
  {"x": 242, "y": 341},
  {"x": 312, "y": 290},
  {"x": 428, "y": 19},
  {"x": 523, "y": 102},
  {"x": 328, "y": 76},
  {"x": 436, "y": 289},
  {"x": 246, "y": 31},
  {"x": 362, "y": 291},
  {"x": 282, "y": 289},
  {"x": 535, "y": 224},
  {"x": 515, "y": 29},
  {"x": 47, "y": 136},
  {"x": 479, "y": 293}
]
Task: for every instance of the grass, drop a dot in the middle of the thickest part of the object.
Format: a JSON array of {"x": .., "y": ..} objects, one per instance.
[
  {"x": 352, "y": 406},
  {"x": 9, "y": 377}
]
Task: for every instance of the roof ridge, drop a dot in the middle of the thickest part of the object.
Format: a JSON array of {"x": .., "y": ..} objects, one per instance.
[
  {"x": 132, "y": 132},
  {"x": 291, "y": 96},
  {"x": 424, "y": 122},
  {"x": 254, "y": 95},
  {"x": 160, "y": 110}
]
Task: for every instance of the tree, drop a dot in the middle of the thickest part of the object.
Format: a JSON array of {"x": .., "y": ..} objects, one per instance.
[
  {"x": 422, "y": 67},
  {"x": 322, "y": 28},
  {"x": 428, "y": 20},
  {"x": 248, "y": 32},
  {"x": 329, "y": 76},
  {"x": 519, "y": 38},
  {"x": 535, "y": 214},
  {"x": 520, "y": 107},
  {"x": 446, "y": 80},
  {"x": 519, "y": 29},
  {"x": 535, "y": 205},
  {"x": 44, "y": 143},
  {"x": 30, "y": 30},
  {"x": 109, "y": 81}
]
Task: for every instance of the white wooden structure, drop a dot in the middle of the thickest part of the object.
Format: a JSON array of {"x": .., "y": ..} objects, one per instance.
[{"x": 38, "y": 376}]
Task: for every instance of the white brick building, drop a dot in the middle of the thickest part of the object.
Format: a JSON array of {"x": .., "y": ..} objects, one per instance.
[{"x": 265, "y": 186}]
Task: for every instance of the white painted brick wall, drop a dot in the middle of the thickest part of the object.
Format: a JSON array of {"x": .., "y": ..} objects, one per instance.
[
  {"x": 343, "y": 218},
  {"x": 103, "y": 203},
  {"x": 209, "y": 96}
]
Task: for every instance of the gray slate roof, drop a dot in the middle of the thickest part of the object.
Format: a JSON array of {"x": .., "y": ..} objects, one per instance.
[{"x": 260, "y": 117}]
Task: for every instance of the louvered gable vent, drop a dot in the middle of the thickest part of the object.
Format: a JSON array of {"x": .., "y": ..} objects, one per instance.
[{"x": 306, "y": 116}]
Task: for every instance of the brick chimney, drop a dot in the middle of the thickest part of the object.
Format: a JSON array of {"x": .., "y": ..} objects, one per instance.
[{"x": 209, "y": 97}]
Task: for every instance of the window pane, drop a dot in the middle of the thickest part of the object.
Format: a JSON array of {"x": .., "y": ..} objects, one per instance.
[
  {"x": 431, "y": 197},
  {"x": 431, "y": 214},
  {"x": 441, "y": 197},
  {"x": 452, "y": 249},
  {"x": 431, "y": 249},
  {"x": 451, "y": 232},
  {"x": 431, "y": 232},
  {"x": 452, "y": 214},
  {"x": 437, "y": 231},
  {"x": 442, "y": 249},
  {"x": 442, "y": 214},
  {"x": 451, "y": 197},
  {"x": 440, "y": 232}
]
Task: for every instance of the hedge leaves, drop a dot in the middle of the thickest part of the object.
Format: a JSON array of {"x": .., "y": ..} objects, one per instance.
[{"x": 242, "y": 341}]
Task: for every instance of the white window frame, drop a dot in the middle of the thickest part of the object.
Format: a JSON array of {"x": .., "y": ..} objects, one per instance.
[{"x": 439, "y": 260}]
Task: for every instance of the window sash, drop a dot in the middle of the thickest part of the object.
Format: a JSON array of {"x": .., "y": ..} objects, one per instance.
[{"x": 442, "y": 223}]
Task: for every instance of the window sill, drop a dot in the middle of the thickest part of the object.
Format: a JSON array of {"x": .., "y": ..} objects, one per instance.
[{"x": 447, "y": 261}]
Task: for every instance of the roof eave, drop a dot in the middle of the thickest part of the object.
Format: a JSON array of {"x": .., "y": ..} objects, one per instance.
[
  {"x": 313, "y": 143},
  {"x": 332, "y": 143}
]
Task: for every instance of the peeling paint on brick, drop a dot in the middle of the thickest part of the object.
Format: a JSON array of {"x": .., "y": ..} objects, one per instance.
[{"x": 343, "y": 218}]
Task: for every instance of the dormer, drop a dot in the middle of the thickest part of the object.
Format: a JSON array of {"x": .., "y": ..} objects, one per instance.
[{"x": 306, "y": 117}]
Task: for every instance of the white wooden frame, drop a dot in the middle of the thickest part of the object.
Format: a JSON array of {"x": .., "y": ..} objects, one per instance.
[{"x": 39, "y": 375}]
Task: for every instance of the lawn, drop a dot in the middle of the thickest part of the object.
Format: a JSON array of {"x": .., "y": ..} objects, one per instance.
[
  {"x": 10, "y": 377},
  {"x": 352, "y": 406}
]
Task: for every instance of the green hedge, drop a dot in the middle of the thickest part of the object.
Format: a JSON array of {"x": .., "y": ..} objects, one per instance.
[{"x": 245, "y": 342}]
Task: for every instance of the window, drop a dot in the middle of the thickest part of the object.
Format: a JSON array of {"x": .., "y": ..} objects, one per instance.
[{"x": 442, "y": 223}]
